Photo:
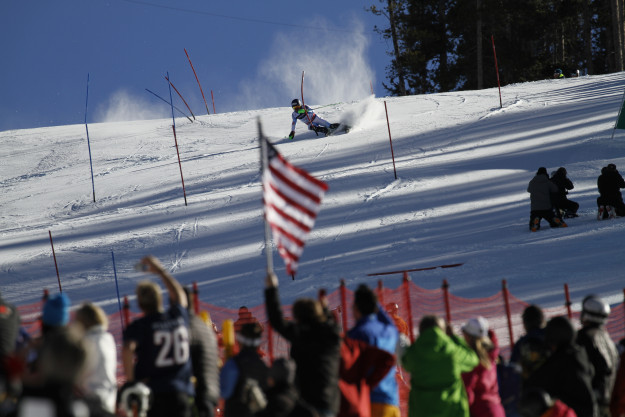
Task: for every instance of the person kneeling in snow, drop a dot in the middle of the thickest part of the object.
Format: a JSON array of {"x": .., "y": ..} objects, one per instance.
[
  {"x": 308, "y": 116},
  {"x": 540, "y": 189}
]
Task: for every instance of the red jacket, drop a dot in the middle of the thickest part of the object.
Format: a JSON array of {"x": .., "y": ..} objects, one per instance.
[
  {"x": 559, "y": 409},
  {"x": 362, "y": 368},
  {"x": 482, "y": 388}
]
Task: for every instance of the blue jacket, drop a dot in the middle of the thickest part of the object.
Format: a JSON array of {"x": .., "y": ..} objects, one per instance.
[{"x": 379, "y": 330}]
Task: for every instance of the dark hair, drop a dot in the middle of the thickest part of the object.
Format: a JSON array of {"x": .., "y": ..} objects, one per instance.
[
  {"x": 429, "y": 321},
  {"x": 308, "y": 311},
  {"x": 365, "y": 300},
  {"x": 533, "y": 317},
  {"x": 559, "y": 332}
]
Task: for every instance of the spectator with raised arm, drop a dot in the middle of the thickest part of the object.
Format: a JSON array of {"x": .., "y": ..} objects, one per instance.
[{"x": 159, "y": 342}]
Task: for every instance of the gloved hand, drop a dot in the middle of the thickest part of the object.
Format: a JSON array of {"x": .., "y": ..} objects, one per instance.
[{"x": 292, "y": 134}]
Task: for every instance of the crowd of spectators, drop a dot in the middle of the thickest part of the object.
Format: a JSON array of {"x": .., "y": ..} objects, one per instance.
[{"x": 172, "y": 364}]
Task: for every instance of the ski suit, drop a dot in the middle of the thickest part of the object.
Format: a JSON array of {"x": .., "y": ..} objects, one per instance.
[{"x": 308, "y": 116}]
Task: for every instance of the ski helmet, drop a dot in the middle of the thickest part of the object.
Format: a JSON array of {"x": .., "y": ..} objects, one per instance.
[
  {"x": 296, "y": 103},
  {"x": 594, "y": 310}
]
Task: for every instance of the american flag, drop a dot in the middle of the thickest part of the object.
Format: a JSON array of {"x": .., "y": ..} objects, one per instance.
[{"x": 292, "y": 198}]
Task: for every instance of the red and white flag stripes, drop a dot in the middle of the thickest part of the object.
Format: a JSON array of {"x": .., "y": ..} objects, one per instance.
[{"x": 292, "y": 198}]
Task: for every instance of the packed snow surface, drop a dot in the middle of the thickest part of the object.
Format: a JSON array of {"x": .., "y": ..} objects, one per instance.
[{"x": 462, "y": 166}]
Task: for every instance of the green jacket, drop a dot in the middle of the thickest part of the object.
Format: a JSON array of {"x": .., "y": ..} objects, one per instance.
[{"x": 435, "y": 362}]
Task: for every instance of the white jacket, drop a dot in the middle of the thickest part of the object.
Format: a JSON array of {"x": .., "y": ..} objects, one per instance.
[{"x": 100, "y": 374}]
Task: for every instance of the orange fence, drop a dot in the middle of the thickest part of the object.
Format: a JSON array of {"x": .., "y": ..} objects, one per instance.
[{"x": 502, "y": 310}]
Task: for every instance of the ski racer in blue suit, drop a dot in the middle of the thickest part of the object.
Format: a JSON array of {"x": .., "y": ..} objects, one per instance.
[{"x": 308, "y": 116}]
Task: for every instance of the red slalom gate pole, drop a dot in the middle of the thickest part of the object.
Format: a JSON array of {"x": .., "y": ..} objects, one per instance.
[
  {"x": 270, "y": 342},
  {"x": 406, "y": 287},
  {"x": 492, "y": 38},
  {"x": 567, "y": 302},
  {"x": 213, "y": 99},
  {"x": 180, "y": 95},
  {"x": 58, "y": 277},
  {"x": 446, "y": 299},
  {"x": 196, "y": 298},
  {"x": 381, "y": 292},
  {"x": 506, "y": 300},
  {"x": 390, "y": 140},
  {"x": 304, "y": 104},
  {"x": 197, "y": 79},
  {"x": 344, "y": 305},
  {"x": 184, "y": 191},
  {"x": 126, "y": 310}
]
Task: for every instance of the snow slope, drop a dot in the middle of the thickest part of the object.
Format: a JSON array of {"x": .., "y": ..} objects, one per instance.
[{"x": 462, "y": 163}]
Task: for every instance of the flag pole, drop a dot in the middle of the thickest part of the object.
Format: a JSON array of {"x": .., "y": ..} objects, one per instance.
[
  {"x": 619, "y": 115},
  {"x": 265, "y": 166}
]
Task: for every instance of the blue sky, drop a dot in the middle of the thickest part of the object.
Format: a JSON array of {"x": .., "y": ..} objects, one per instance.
[{"x": 250, "y": 54}]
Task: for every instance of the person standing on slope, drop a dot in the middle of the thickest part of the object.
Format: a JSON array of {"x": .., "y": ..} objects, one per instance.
[
  {"x": 540, "y": 189},
  {"x": 610, "y": 200},
  {"x": 308, "y": 116}
]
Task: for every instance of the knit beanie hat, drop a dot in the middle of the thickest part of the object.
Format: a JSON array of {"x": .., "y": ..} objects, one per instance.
[
  {"x": 541, "y": 170},
  {"x": 56, "y": 310}
]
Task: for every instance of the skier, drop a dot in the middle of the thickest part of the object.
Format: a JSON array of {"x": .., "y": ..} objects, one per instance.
[
  {"x": 562, "y": 205},
  {"x": 308, "y": 116},
  {"x": 540, "y": 189},
  {"x": 610, "y": 200}
]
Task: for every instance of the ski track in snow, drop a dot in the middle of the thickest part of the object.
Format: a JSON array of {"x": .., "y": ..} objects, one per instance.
[{"x": 462, "y": 163}]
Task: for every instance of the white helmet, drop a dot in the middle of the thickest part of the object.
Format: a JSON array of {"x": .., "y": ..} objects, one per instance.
[
  {"x": 594, "y": 310},
  {"x": 136, "y": 397}
]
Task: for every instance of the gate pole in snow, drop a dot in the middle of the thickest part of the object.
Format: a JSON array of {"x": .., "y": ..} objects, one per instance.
[
  {"x": 492, "y": 38},
  {"x": 88, "y": 144},
  {"x": 406, "y": 287},
  {"x": 58, "y": 277},
  {"x": 344, "y": 305},
  {"x": 126, "y": 311},
  {"x": 179, "y": 95},
  {"x": 446, "y": 299},
  {"x": 567, "y": 302},
  {"x": 270, "y": 342},
  {"x": 119, "y": 302},
  {"x": 173, "y": 126},
  {"x": 381, "y": 293},
  {"x": 198, "y": 81},
  {"x": 390, "y": 140},
  {"x": 196, "y": 299},
  {"x": 213, "y": 100},
  {"x": 504, "y": 289}
]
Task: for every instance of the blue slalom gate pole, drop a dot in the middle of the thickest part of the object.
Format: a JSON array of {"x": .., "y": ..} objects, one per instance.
[
  {"x": 119, "y": 302},
  {"x": 180, "y": 111},
  {"x": 89, "y": 144}
]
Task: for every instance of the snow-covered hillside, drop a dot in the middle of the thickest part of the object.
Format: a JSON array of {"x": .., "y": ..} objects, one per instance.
[{"x": 462, "y": 162}]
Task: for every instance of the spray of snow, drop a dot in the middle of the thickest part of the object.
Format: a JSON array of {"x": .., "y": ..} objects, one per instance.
[
  {"x": 363, "y": 114},
  {"x": 334, "y": 61},
  {"x": 122, "y": 106}
]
